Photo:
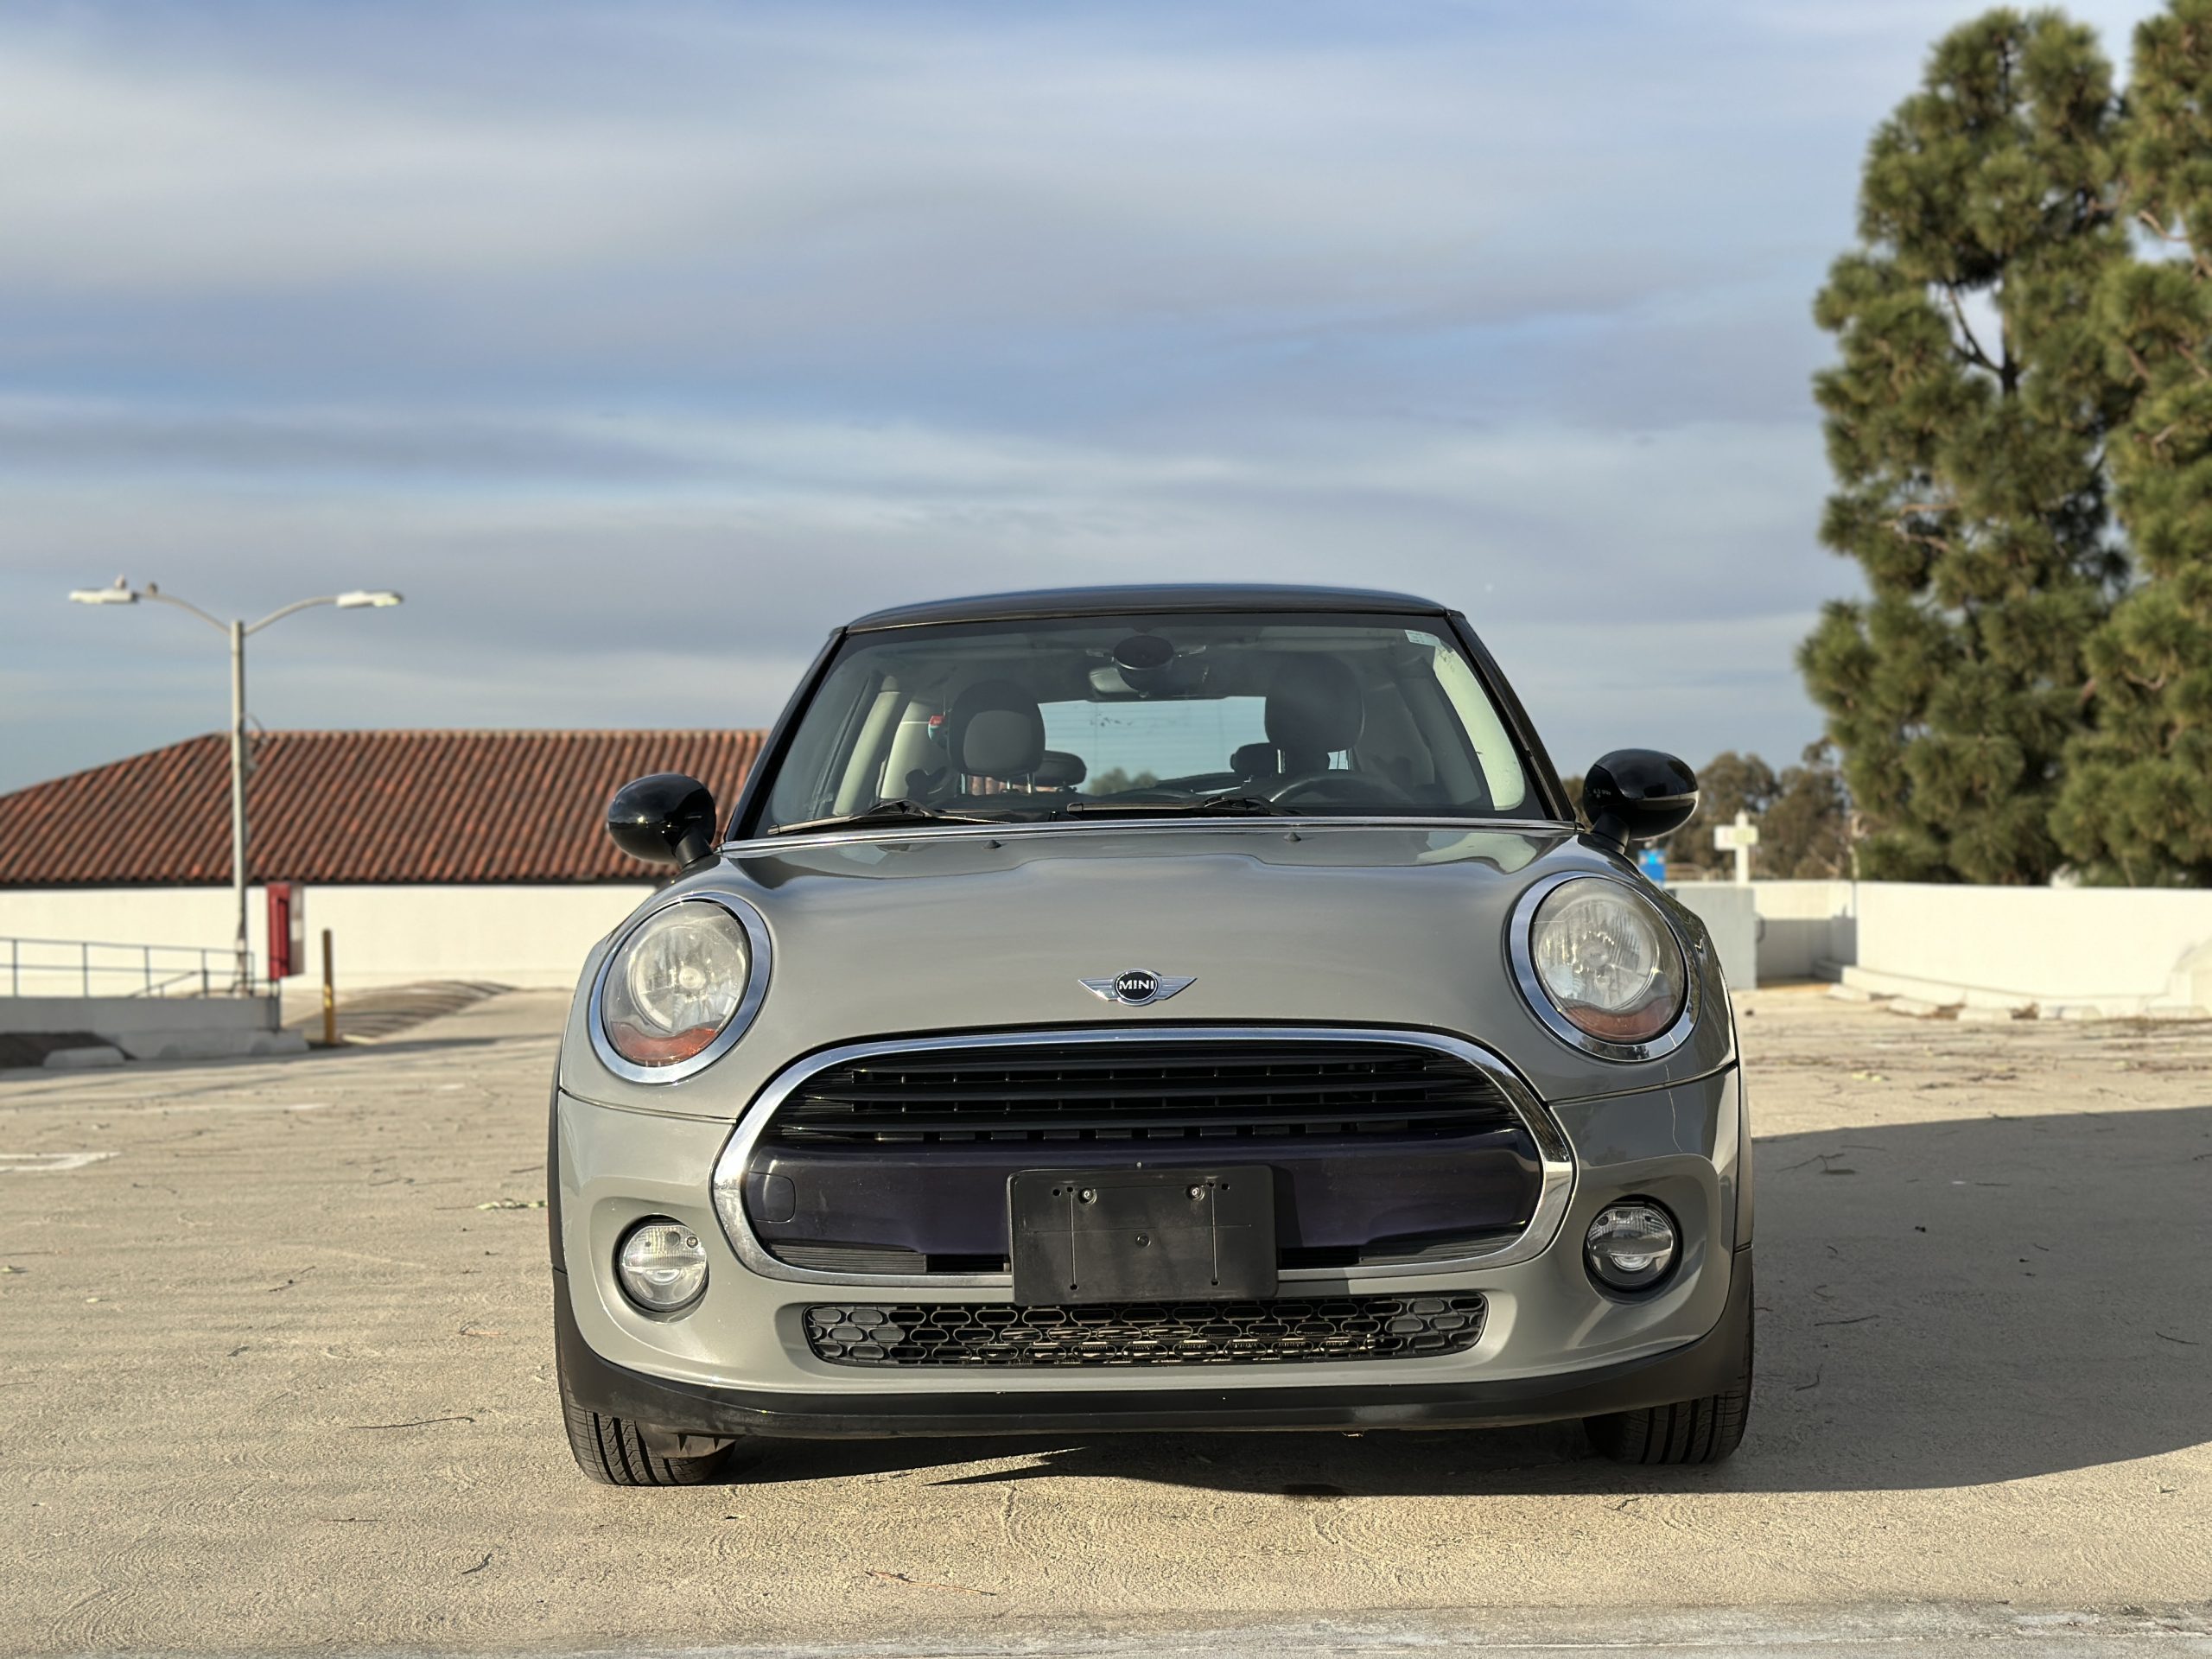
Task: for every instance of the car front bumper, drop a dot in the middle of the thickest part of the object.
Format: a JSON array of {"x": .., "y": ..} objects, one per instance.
[
  {"x": 1553, "y": 1345},
  {"x": 964, "y": 1404}
]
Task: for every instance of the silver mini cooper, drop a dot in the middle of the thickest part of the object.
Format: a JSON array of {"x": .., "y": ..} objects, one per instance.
[{"x": 1161, "y": 1008}]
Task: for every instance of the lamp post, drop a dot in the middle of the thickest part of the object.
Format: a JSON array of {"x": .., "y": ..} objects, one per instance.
[{"x": 122, "y": 593}]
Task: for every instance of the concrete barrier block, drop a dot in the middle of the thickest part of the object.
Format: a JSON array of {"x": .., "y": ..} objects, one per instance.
[
  {"x": 86, "y": 1059},
  {"x": 216, "y": 1044}
]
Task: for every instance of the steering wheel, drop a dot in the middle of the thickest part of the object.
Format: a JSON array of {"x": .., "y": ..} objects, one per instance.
[{"x": 1359, "y": 784}]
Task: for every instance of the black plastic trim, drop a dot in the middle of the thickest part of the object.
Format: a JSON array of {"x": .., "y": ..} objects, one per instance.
[
  {"x": 1163, "y": 598},
  {"x": 553, "y": 1175},
  {"x": 779, "y": 735},
  {"x": 1709, "y": 1366}
]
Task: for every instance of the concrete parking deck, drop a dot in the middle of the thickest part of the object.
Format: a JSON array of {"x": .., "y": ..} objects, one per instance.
[{"x": 276, "y": 1374}]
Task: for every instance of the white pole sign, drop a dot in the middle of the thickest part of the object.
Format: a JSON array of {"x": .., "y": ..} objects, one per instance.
[{"x": 1741, "y": 838}]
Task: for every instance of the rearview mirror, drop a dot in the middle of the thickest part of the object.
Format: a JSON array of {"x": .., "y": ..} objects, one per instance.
[
  {"x": 667, "y": 818},
  {"x": 1637, "y": 795}
]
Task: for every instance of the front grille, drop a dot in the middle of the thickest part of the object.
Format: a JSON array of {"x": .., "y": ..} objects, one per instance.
[
  {"x": 1180, "y": 1089},
  {"x": 991, "y": 1334}
]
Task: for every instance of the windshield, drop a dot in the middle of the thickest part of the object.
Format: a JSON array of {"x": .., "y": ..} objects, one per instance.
[{"x": 1313, "y": 715}]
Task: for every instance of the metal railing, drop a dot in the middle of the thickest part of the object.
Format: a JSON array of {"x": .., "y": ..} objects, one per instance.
[{"x": 94, "y": 968}]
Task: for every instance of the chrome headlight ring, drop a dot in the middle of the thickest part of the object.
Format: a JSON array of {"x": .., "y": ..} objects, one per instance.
[
  {"x": 1521, "y": 949},
  {"x": 741, "y": 1017}
]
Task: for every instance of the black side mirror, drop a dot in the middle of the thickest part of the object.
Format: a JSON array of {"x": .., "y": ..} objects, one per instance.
[
  {"x": 1637, "y": 795},
  {"x": 665, "y": 819}
]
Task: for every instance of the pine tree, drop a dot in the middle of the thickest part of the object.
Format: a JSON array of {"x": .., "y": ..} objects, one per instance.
[
  {"x": 2137, "y": 805},
  {"x": 1964, "y": 424}
]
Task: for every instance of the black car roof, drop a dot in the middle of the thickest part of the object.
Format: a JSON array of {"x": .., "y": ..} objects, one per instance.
[{"x": 1135, "y": 599}]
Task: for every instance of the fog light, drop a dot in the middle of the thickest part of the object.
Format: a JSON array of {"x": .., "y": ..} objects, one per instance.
[
  {"x": 662, "y": 1265},
  {"x": 1630, "y": 1246}
]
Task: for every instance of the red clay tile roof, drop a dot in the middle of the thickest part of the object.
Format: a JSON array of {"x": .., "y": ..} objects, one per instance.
[{"x": 356, "y": 806}]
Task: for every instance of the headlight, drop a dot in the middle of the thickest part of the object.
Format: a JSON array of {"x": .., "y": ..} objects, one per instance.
[
  {"x": 683, "y": 977},
  {"x": 1605, "y": 960}
]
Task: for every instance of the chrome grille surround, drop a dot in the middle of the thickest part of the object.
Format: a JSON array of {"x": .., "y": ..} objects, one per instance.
[{"x": 1558, "y": 1158}]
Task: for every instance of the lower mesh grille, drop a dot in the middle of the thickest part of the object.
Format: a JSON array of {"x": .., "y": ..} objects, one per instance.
[{"x": 1146, "y": 1333}]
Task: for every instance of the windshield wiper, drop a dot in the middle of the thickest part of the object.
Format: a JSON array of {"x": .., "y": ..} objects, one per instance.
[
  {"x": 1206, "y": 805},
  {"x": 896, "y": 812}
]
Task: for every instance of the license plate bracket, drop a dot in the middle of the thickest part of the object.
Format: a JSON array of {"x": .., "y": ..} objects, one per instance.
[{"x": 1082, "y": 1236}]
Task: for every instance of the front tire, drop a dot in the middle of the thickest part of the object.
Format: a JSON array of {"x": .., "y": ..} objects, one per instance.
[
  {"x": 615, "y": 1451},
  {"x": 1704, "y": 1430}
]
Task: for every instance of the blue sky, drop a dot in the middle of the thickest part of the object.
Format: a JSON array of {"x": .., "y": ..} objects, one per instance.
[{"x": 639, "y": 344}]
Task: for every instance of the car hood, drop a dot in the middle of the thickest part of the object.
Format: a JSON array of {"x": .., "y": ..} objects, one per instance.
[{"x": 876, "y": 935}]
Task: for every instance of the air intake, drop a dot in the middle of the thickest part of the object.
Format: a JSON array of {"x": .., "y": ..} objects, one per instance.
[
  {"x": 988, "y": 1334},
  {"x": 1234, "y": 1089}
]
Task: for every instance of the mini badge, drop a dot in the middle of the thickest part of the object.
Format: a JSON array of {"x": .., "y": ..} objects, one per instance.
[{"x": 1135, "y": 988}]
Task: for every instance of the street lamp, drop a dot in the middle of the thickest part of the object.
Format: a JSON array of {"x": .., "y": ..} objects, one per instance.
[{"x": 122, "y": 593}]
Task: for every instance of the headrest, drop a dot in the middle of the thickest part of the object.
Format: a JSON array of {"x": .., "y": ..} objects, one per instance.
[
  {"x": 994, "y": 730},
  {"x": 1060, "y": 770},
  {"x": 1315, "y": 707},
  {"x": 1254, "y": 761}
]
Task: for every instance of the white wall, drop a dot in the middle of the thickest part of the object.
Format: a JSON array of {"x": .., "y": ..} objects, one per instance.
[
  {"x": 2091, "y": 950},
  {"x": 104, "y": 1014},
  {"x": 1806, "y": 927},
  {"x": 533, "y": 936},
  {"x": 158, "y": 1027},
  {"x": 1804, "y": 930},
  {"x": 1732, "y": 923},
  {"x": 2112, "y": 950},
  {"x": 2081, "y": 951}
]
